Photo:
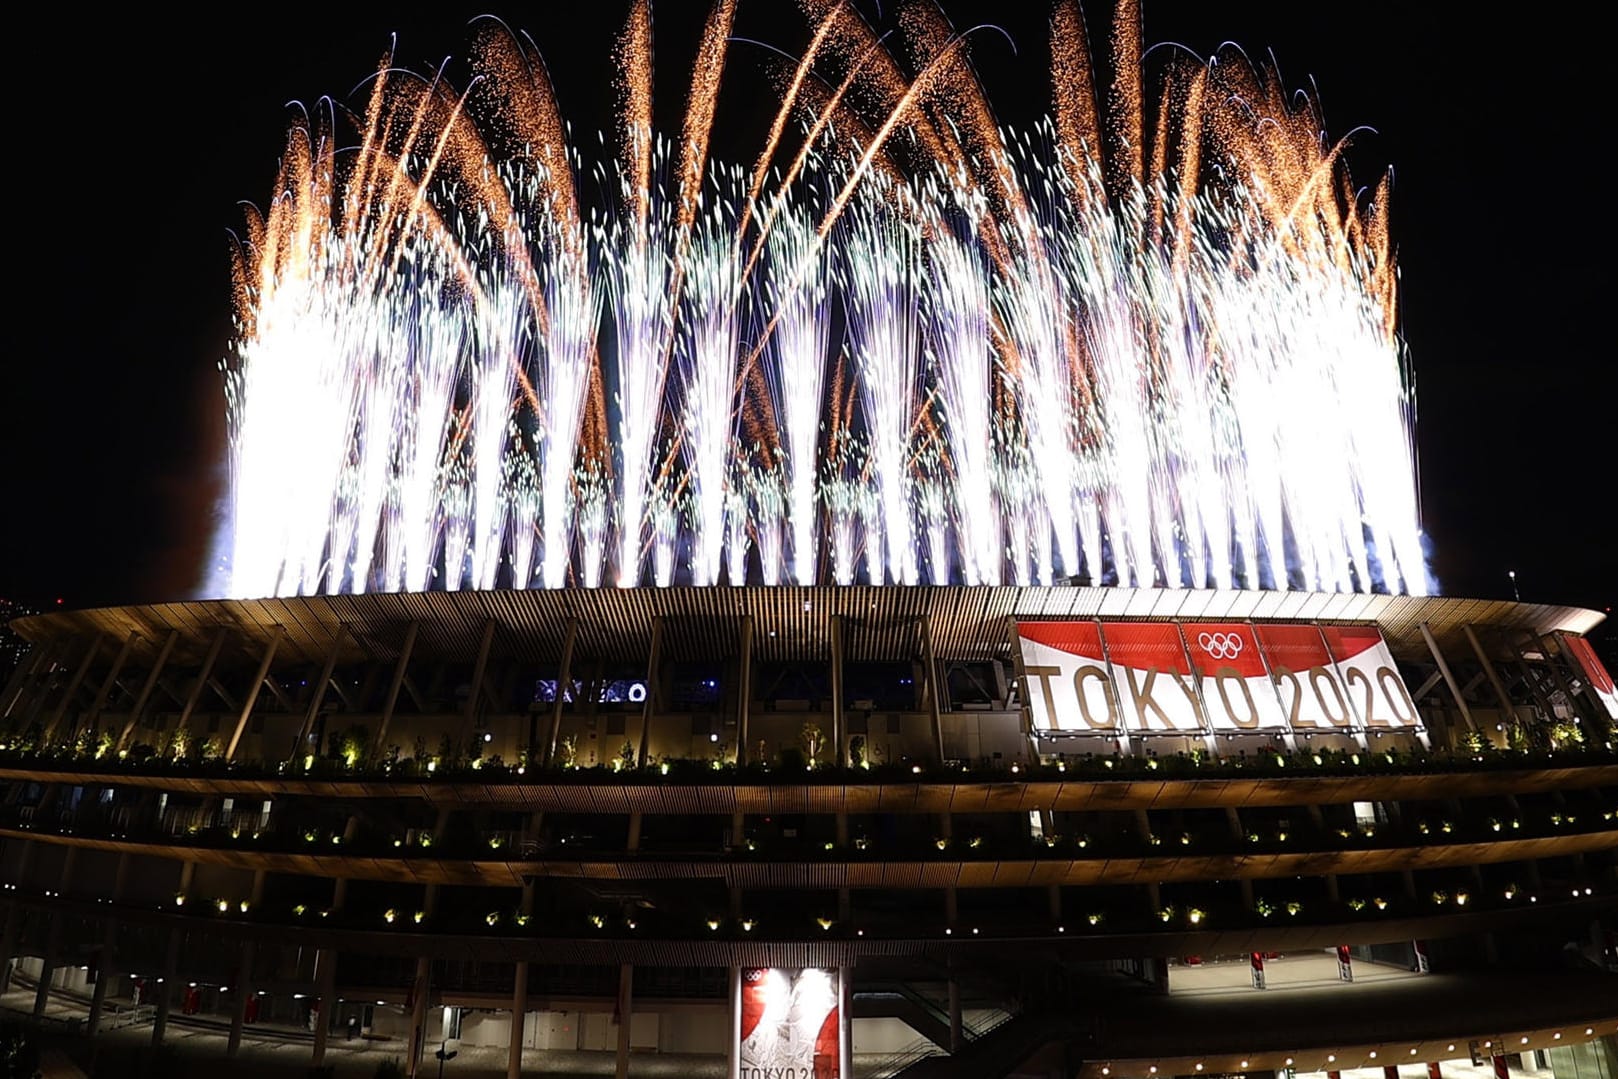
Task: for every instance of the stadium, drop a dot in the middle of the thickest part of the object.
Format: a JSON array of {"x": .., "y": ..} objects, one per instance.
[
  {"x": 833, "y": 829},
  {"x": 949, "y": 600}
]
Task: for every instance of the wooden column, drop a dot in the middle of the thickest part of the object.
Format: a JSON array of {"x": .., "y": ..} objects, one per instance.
[
  {"x": 744, "y": 688},
  {"x": 146, "y": 688},
  {"x": 649, "y": 706},
  {"x": 563, "y": 677},
  {"x": 397, "y": 681},
  {"x": 251, "y": 697}
]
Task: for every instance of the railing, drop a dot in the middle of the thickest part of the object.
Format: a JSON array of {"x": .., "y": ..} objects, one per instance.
[
  {"x": 115, "y": 1016},
  {"x": 889, "y": 1066}
]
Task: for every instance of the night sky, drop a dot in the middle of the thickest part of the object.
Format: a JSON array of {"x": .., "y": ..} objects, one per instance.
[{"x": 136, "y": 135}]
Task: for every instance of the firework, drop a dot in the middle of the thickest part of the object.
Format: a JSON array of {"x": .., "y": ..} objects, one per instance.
[{"x": 1152, "y": 342}]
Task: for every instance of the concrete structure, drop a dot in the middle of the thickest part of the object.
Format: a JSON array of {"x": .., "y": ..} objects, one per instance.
[{"x": 616, "y": 812}]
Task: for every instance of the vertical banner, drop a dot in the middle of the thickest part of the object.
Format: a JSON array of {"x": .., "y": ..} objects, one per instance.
[
  {"x": 1306, "y": 677},
  {"x": 1258, "y": 970},
  {"x": 1069, "y": 682},
  {"x": 1595, "y": 672},
  {"x": 1235, "y": 684},
  {"x": 1345, "y": 964},
  {"x": 1375, "y": 689},
  {"x": 790, "y": 1024}
]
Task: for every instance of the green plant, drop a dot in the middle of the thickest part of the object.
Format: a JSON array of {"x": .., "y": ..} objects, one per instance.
[
  {"x": 352, "y": 742},
  {"x": 812, "y": 739}
]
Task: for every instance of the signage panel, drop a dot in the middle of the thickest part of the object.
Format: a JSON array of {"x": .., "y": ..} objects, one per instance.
[
  {"x": 1152, "y": 676},
  {"x": 1375, "y": 691},
  {"x": 790, "y": 1020},
  {"x": 1305, "y": 677},
  {"x": 1069, "y": 680},
  {"x": 1236, "y": 686},
  {"x": 1226, "y": 677}
]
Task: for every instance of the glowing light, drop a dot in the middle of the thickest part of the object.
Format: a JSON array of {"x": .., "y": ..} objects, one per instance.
[{"x": 1054, "y": 358}]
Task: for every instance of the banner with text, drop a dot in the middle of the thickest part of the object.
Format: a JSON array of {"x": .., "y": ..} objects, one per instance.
[
  {"x": 1169, "y": 677},
  {"x": 790, "y": 1021}
]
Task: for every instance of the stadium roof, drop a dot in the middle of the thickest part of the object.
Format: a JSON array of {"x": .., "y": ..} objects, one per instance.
[{"x": 790, "y": 623}]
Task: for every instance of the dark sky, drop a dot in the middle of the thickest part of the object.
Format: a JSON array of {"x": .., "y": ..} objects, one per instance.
[{"x": 137, "y": 134}]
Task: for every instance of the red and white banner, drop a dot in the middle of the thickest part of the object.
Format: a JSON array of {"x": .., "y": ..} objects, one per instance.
[
  {"x": 1164, "y": 677},
  {"x": 1310, "y": 688},
  {"x": 1595, "y": 672},
  {"x": 1152, "y": 676},
  {"x": 1069, "y": 681},
  {"x": 790, "y": 1022},
  {"x": 1236, "y": 686},
  {"x": 1376, "y": 692}
]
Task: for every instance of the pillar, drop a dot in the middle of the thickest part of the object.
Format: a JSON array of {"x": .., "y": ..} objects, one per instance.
[
  {"x": 418, "y": 1014},
  {"x": 318, "y": 693},
  {"x": 392, "y": 700},
  {"x": 744, "y": 688},
  {"x": 649, "y": 706},
  {"x": 165, "y": 987},
  {"x": 626, "y": 1002},
  {"x": 8, "y": 943},
  {"x": 71, "y": 690},
  {"x": 1508, "y": 711},
  {"x": 954, "y": 1015},
  {"x": 1449, "y": 678},
  {"x": 244, "y": 989},
  {"x": 47, "y": 967},
  {"x": 839, "y": 716},
  {"x": 734, "y": 1051},
  {"x": 634, "y": 830},
  {"x": 563, "y": 675},
  {"x": 479, "y": 668},
  {"x": 98, "y": 995},
  {"x": 92, "y": 719},
  {"x": 24, "y": 677},
  {"x": 934, "y": 690},
  {"x": 146, "y": 688},
  {"x": 203, "y": 677},
  {"x": 325, "y": 1003},
  {"x": 519, "y": 1016},
  {"x": 845, "y": 1022}
]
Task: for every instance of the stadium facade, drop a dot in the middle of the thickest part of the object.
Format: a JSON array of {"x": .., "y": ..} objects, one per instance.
[{"x": 824, "y": 831}]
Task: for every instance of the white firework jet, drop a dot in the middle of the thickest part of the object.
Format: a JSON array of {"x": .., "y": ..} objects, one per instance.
[
  {"x": 706, "y": 360},
  {"x": 961, "y": 352},
  {"x": 798, "y": 290},
  {"x": 881, "y": 275},
  {"x": 638, "y": 246}
]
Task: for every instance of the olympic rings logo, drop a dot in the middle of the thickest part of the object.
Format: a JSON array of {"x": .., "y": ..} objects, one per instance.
[{"x": 1221, "y": 645}]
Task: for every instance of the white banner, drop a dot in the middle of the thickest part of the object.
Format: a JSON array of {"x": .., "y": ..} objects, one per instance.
[
  {"x": 790, "y": 1024},
  {"x": 1165, "y": 677}
]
